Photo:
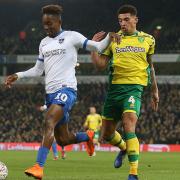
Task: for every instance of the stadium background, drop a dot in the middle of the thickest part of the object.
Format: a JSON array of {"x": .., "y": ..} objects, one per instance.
[{"x": 20, "y": 34}]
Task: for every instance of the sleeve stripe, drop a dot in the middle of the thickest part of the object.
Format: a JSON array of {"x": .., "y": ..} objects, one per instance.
[
  {"x": 42, "y": 60},
  {"x": 85, "y": 44}
]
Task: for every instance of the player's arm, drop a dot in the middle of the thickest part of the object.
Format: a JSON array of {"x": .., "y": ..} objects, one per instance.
[
  {"x": 80, "y": 41},
  {"x": 154, "y": 87},
  {"x": 99, "y": 60},
  {"x": 103, "y": 44},
  {"x": 100, "y": 122},
  {"x": 37, "y": 70}
]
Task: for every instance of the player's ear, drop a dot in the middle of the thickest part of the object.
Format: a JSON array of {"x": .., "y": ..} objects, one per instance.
[
  {"x": 136, "y": 20},
  {"x": 60, "y": 21}
]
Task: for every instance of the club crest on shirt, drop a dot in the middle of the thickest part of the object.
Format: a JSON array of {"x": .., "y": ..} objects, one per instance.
[
  {"x": 141, "y": 39},
  {"x": 61, "y": 40}
]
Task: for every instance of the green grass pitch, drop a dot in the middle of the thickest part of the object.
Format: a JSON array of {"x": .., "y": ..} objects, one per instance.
[{"x": 78, "y": 166}]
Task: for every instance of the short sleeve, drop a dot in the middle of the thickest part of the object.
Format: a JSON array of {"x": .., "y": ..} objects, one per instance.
[
  {"x": 151, "y": 45},
  {"x": 107, "y": 51},
  {"x": 100, "y": 121}
]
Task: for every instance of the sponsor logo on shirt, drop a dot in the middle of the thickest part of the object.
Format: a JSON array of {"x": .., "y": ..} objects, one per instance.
[
  {"x": 54, "y": 52},
  {"x": 130, "y": 49}
]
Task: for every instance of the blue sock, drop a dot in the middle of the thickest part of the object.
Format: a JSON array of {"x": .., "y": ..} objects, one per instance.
[
  {"x": 42, "y": 155},
  {"x": 81, "y": 137},
  {"x": 54, "y": 148}
]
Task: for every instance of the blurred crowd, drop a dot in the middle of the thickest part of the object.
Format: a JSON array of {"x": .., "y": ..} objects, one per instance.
[
  {"x": 21, "y": 29},
  {"x": 22, "y": 121},
  {"x": 167, "y": 40}
]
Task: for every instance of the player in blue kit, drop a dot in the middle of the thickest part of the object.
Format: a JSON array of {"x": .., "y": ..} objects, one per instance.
[
  {"x": 57, "y": 59},
  {"x": 54, "y": 144}
]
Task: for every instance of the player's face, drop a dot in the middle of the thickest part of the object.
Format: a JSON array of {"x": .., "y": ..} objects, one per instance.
[
  {"x": 51, "y": 24},
  {"x": 92, "y": 110},
  {"x": 127, "y": 22}
]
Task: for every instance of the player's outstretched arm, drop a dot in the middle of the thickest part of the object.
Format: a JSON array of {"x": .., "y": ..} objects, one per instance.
[
  {"x": 10, "y": 80},
  {"x": 154, "y": 87},
  {"x": 80, "y": 41},
  {"x": 103, "y": 44},
  {"x": 37, "y": 70}
]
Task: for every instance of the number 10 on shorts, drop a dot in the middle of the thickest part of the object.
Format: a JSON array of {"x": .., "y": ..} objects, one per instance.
[{"x": 61, "y": 96}]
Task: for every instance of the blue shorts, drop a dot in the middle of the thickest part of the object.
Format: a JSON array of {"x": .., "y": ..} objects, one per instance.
[{"x": 66, "y": 97}]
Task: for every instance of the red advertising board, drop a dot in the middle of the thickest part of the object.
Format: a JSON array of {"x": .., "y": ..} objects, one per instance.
[{"x": 81, "y": 147}]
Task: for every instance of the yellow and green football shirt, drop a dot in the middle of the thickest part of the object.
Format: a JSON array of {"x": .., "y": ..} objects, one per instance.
[
  {"x": 129, "y": 59},
  {"x": 93, "y": 121}
]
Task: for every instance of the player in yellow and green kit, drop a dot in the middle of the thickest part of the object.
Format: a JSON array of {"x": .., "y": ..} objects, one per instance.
[
  {"x": 130, "y": 70},
  {"x": 93, "y": 122}
]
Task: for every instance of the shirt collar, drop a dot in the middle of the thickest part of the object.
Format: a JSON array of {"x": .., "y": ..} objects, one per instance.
[{"x": 126, "y": 34}]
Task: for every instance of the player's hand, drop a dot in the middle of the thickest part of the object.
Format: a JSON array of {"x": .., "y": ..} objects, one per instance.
[
  {"x": 99, "y": 36},
  {"x": 40, "y": 108},
  {"x": 10, "y": 79},
  {"x": 155, "y": 100},
  {"x": 115, "y": 37}
]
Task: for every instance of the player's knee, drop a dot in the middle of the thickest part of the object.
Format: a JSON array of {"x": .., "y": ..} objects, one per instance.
[
  {"x": 129, "y": 122},
  {"x": 49, "y": 125}
]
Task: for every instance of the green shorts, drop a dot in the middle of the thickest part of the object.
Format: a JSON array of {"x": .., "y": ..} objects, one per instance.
[
  {"x": 96, "y": 135},
  {"x": 120, "y": 99}
]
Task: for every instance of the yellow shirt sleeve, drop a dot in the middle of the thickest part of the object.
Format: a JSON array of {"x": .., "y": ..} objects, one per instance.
[
  {"x": 108, "y": 51},
  {"x": 151, "y": 42},
  {"x": 100, "y": 121}
]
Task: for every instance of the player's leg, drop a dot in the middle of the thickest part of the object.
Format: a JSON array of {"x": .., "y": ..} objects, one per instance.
[
  {"x": 132, "y": 143},
  {"x": 96, "y": 141},
  {"x": 90, "y": 147},
  {"x": 64, "y": 137},
  {"x": 54, "y": 113},
  {"x": 63, "y": 152},
  {"x": 54, "y": 149},
  {"x": 132, "y": 104},
  {"x": 67, "y": 137},
  {"x": 109, "y": 133},
  {"x": 111, "y": 115},
  {"x": 59, "y": 104}
]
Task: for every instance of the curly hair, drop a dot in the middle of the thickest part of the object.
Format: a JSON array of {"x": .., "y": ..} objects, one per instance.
[
  {"x": 52, "y": 9},
  {"x": 127, "y": 9}
]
